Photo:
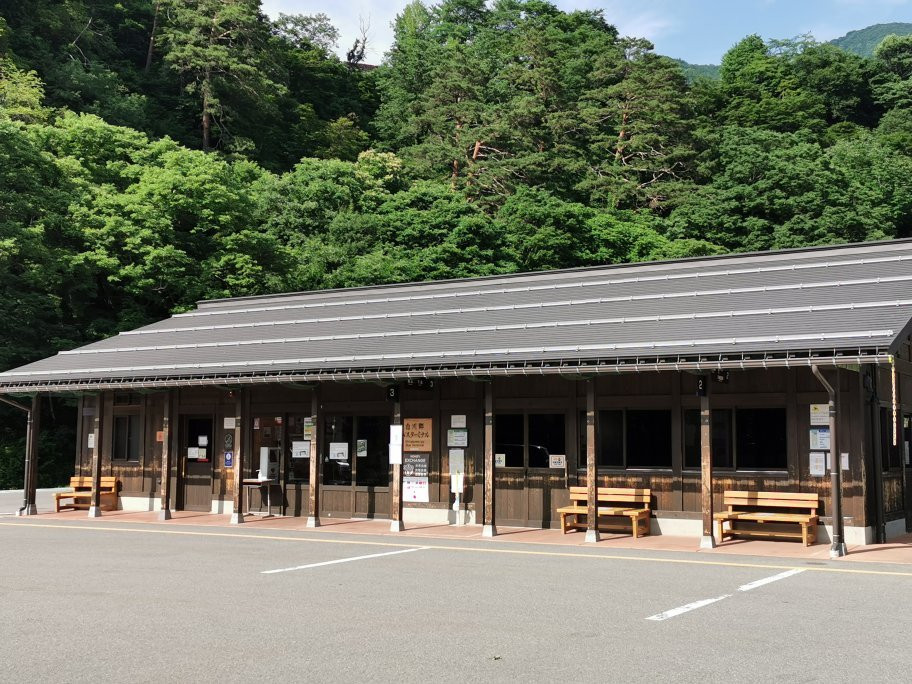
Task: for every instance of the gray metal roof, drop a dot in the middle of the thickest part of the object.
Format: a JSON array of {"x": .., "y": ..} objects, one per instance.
[{"x": 848, "y": 302}]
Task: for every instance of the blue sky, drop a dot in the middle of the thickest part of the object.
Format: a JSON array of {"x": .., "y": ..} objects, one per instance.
[{"x": 699, "y": 31}]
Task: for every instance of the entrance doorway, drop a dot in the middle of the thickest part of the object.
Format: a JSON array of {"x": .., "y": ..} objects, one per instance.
[
  {"x": 356, "y": 470},
  {"x": 197, "y": 455}
]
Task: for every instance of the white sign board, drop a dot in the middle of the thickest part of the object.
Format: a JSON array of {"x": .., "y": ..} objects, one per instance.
[
  {"x": 557, "y": 460},
  {"x": 361, "y": 448},
  {"x": 843, "y": 461},
  {"x": 193, "y": 453},
  {"x": 395, "y": 451},
  {"x": 820, "y": 438},
  {"x": 458, "y": 421},
  {"x": 500, "y": 460},
  {"x": 818, "y": 463},
  {"x": 457, "y": 437},
  {"x": 820, "y": 414},
  {"x": 415, "y": 489},
  {"x": 338, "y": 451},
  {"x": 457, "y": 461},
  {"x": 229, "y": 423},
  {"x": 300, "y": 449},
  {"x": 202, "y": 440},
  {"x": 91, "y": 440},
  {"x": 395, "y": 434}
]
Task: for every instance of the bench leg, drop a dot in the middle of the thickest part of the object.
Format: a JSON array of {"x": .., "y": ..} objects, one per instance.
[
  {"x": 563, "y": 523},
  {"x": 720, "y": 528},
  {"x": 804, "y": 535},
  {"x": 636, "y": 526}
]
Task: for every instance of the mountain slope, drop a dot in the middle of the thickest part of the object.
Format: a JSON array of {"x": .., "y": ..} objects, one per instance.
[{"x": 863, "y": 41}]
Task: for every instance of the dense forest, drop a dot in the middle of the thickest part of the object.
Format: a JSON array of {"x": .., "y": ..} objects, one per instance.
[{"x": 156, "y": 152}]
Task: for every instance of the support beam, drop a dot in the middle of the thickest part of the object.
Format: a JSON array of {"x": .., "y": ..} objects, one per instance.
[
  {"x": 240, "y": 453},
  {"x": 707, "y": 541},
  {"x": 490, "y": 527},
  {"x": 592, "y": 533},
  {"x": 95, "y": 507},
  {"x": 165, "y": 513},
  {"x": 31, "y": 457},
  {"x": 837, "y": 547},
  {"x": 316, "y": 458},
  {"x": 396, "y": 524}
]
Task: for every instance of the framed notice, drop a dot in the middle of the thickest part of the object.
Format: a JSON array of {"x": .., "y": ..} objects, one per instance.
[
  {"x": 361, "y": 448},
  {"x": 818, "y": 463},
  {"x": 458, "y": 421},
  {"x": 820, "y": 414},
  {"x": 300, "y": 449},
  {"x": 457, "y": 437},
  {"x": 417, "y": 434},
  {"x": 557, "y": 460},
  {"x": 500, "y": 460},
  {"x": 820, "y": 438},
  {"x": 415, "y": 489}
]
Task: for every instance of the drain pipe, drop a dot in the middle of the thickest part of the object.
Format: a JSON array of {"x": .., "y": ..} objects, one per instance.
[
  {"x": 838, "y": 547},
  {"x": 27, "y": 505}
]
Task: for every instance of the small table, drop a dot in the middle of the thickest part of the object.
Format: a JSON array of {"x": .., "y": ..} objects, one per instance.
[{"x": 251, "y": 484}]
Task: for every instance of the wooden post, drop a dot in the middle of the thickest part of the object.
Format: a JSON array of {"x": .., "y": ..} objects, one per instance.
[
  {"x": 165, "y": 513},
  {"x": 396, "y": 524},
  {"x": 31, "y": 456},
  {"x": 592, "y": 533},
  {"x": 316, "y": 458},
  {"x": 95, "y": 507},
  {"x": 490, "y": 527},
  {"x": 707, "y": 541},
  {"x": 237, "y": 515}
]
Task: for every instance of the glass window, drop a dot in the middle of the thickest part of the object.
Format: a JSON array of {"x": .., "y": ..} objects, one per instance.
[
  {"x": 760, "y": 439},
  {"x": 546, "y": 436},
  {"x": 126, "y": 438},
  {"x": 721, "y": 426},
  {"x": 296, "y": 469},
  {"x": 337, "y": 462},
  {"x": 610, "y": 436},
  {"x": 648, "y": 439},
  {"x": 372, "y": 469},
  {"x": 509, "y": 438}
]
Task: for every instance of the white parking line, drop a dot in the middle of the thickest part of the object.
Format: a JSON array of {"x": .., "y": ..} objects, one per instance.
[
  {"x": 342, "y": 560},
  {"x": 767, "y": 580},
  {"x": 658, "y": 617}
]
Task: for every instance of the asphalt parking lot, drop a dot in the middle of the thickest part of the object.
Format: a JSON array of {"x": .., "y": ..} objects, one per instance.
[{"x": 120, "y": 602}]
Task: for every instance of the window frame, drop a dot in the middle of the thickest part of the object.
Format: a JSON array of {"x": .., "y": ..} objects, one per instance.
[
  {"x": 130, "y": 414},
  {"x": 624, "y": 467},
  {"x": 526, "y": 413},
  {"x": 733, "y": 440}
]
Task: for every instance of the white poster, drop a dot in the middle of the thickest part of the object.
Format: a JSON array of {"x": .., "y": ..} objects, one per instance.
[
  {"x": 457, "y": 483},
  {"x": 193, "y": 453},
  {"x": 818, "y": 463},
  {"x": 361, "y": 448},
  {"x": 820, "y": 438},
  {"x": 557, "y": 460},
  {"x": 820, "y": 414},
  {"x": 202, "y": 440},
  {"x": 415, "y": 489},
  {"x": 395, "y": 451},
  {"x": 300, "y": 449},
  {"x": 91, "y": 440},
  {"x": 395, "y": 434},
  {"x": 458, "y": 437},
  {"x": 458, "y": 421},
  {"x": 500, "y": 460},
  {"x": 457, "y": 461},
  {"x": 843, "y": 461},
  {"x": 338, "y": 451},
  {"x": 229, "y": 423}
]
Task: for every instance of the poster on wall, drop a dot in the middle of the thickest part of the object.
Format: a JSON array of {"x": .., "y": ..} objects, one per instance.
[
  {"x": 229, "y": 423},
  {"x": 820, "y": 414},
  {"x": 458, "y": 421},
  {"x": 415, "y": 489},
  {"x": 300, "y": 449},
  {"x": 308, "y": 428},
  {"x": 818, "y": 463},
  {"x": 417, "y": 434},
  {"x": 338, "y": 451},
  {"x": 820, "y": 438},
  {"x": 557, "y": 460},
  {"x": 500, "y": 460},
  {"x": 91, "y": 441},
  {"x": 415, "y": 465},
  {"x": 192, "y": 453},
  {"x": 361, "y": 448}
]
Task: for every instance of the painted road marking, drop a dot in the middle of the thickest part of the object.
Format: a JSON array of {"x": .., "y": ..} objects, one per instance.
[
  {"x": 342, "y": 560},
  {"x": 705, "y": 602},
  {"x": 301, "y": 538},
  {"x": 767, "y": 580},
  {"x": 680, "y": 610}
]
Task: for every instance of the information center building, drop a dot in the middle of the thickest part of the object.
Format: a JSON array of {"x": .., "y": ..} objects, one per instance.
[{"x": 491, "y": 380}]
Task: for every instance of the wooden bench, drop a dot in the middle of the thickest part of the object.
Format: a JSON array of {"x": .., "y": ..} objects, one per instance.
[
  {"x": 761, "y": 509},
  {"x": 621, "y": 502},
  {"x": 82, "y": 494}
]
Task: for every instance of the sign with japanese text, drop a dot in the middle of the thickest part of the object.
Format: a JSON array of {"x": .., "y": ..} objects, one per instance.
[{"x": 417, "y": 434}]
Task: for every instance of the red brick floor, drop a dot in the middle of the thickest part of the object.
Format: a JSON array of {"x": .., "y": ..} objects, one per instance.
[{"x": 897, "y": 551}]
